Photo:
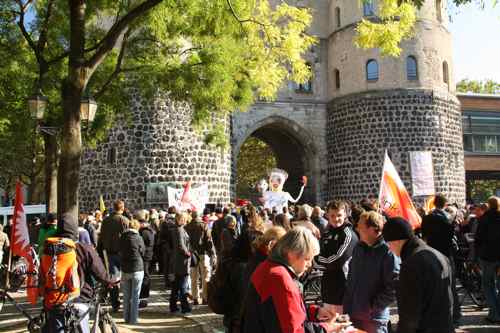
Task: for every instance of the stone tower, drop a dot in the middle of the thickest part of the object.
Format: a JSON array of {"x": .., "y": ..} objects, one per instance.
[{"x": 400, "y": 104}]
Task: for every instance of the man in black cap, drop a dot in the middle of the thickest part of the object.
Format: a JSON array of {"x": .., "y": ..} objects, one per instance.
[
  {"x": 424, "y": 296},
  {"x": 90, "y": 268}
]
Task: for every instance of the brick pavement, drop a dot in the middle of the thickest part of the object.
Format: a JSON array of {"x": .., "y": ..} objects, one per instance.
[{"x": 157, "y": 318}]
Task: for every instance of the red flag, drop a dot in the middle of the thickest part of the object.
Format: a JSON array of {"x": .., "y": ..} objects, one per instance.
[
  {"x": 394, "y": 200},
  {"x": 20, "y": 243},
  {"x": 186, "y": 201}
]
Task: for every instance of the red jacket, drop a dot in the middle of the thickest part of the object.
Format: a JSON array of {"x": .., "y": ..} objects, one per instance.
[{"x": 274, "y": 303}]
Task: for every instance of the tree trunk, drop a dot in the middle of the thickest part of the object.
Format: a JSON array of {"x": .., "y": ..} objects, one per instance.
[
  {"x": 51, "y": 172},
  {"x": 71, "y": 148}
]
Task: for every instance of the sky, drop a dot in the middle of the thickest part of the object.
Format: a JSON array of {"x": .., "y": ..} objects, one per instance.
[{"x": 476, "y": 42}]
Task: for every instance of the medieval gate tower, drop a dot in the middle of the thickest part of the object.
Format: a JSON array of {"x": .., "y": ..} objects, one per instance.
[{"x": 334, "y": 129}]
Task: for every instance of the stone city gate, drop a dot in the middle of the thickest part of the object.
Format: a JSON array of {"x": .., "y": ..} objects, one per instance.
[{"x": 296, "y": 134}]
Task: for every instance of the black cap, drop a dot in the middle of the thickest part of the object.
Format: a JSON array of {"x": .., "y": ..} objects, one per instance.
[
  {"x": 51, "y": 217},
  {"x": 397, "y": 228},
  {"x": 67, "y": 227}
]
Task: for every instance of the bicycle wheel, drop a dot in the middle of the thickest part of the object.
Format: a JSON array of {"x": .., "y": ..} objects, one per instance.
[
  {"x": 475, "y": 289},
  {"x": 107, "y": 324}
]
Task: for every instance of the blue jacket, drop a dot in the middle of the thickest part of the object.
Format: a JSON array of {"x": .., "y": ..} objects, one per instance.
[{"x": 370, "y": 289}]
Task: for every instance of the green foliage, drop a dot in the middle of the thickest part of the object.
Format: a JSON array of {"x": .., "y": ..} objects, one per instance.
[
  {"x": 481, "y": 190},
  {"x": 395, "y": 22},
  {"x": 255, "y": 159},
  {"x": 482, "y": 86}
]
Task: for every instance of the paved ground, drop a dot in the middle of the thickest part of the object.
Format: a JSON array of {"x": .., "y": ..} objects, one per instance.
[{"x": 157, "y": 318}]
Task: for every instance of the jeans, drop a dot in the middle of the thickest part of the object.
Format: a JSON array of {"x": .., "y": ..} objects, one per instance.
[
  {"x": 370, "y": 326},
  {"x": 55, "y": 319},
  {"x": 114, "y": 273},
  {"x": 491, "y": 287},
  {"x": 180, "y": 290},
  {"x": 201, "y": 270},
  {"x": 131, "y": 287}
]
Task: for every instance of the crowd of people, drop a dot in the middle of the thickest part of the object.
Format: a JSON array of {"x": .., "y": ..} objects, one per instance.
[{"x": 259, "y": 257}]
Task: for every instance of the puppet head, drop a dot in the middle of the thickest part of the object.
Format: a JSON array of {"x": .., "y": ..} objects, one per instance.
[
  {"x": 262, "y": 186},
  {"x": 277, "y": 179}
]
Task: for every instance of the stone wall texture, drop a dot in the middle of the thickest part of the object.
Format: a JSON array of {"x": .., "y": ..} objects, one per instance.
[
  {"x": 157, "y": 144},
  {"x": 360, "y": 127}
]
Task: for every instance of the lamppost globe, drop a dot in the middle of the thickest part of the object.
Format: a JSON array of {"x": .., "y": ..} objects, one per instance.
[
  {"x": 37, "y": 103},
  {"x": 88, "y": 109}
]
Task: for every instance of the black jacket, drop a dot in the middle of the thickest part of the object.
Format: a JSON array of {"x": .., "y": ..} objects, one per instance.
[
  {"x": 90, "y": 268},
  {"x": 425, "y": 301},
  {"x": 337, "y": 245},
  {"x": 199, "y": 238},
  {"x": 487, "y": 240},
  {"x": 148, "y": 236},
  {"x": 111, "y": 229},
  {"x": 437, "y": 230},
  {"x": 131, "y": 251}
]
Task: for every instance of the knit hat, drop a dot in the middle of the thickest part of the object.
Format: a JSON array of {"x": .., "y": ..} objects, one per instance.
[
  {"x": 397, "y": 228},
  {"x": 67, "y": 227}
]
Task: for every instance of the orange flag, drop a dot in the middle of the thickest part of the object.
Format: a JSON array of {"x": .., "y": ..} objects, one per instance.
[
  {"x": 394, "y": 200},
  {"x": 20, "y": 244}
]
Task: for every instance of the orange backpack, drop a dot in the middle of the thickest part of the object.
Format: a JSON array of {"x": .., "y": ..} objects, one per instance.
[{"x": 58, "y": 279}]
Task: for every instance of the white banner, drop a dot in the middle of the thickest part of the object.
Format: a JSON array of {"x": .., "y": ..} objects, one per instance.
[
  {"x": 422, "y": 173},
  {"x": 188, "y": 197}
]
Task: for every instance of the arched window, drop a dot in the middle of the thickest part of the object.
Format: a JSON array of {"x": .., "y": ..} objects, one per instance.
[
  {"x": 438, "y": 10},
  {"x": 411, "y": 68},
  {"x": 446, "y": 74},
  {"x": 372, "y": 70},
  {"x": 368, "y": 8},
  {"x": 337, "y": 17},
  {"x": 337, "y": 79}
]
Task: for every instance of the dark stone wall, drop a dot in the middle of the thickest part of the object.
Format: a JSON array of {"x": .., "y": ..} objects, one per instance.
[
  {"x": 157, "y": 144},
  {"x": 361, "y": 126}
]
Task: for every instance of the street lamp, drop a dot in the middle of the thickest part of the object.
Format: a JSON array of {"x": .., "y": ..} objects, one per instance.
[
  {"x": 37, "y": 103},
  {"x": 88, "y": 108}
]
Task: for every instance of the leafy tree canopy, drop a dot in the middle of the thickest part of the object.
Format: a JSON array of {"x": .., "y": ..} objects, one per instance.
[{"x": 481, "y": 87}]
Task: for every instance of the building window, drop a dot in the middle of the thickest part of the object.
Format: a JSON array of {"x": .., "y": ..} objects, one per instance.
[
  {"x": 337, "y": 17},
  {"x": 438, "y": 10},
  {"x": 112, "y": 155},
  {"x": 411, "y": 68},
  {"x": 368, "y": 8},
  {"x": 446, "y": 75},
  {"x": 481, "y": 133},
  {"x": 337, "y": 79},
  {"x": 372, "y": 70}
]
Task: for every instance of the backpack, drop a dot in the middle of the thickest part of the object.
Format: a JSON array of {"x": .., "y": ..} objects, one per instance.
[
  {"x": 58, "y": 278},
  {"x": 217, "y": 297}
]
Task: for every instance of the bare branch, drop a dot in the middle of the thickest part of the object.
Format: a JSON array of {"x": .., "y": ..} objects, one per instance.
[
  {"x": 42, "y": 40},
  {"x": 22, "y": 11},
  {"x": 118, "y": 65},
  {"x": 109, "y": 41}
]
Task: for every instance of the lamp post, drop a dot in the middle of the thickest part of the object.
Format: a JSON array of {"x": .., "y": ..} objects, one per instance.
[{"x": 37, "y": 105}]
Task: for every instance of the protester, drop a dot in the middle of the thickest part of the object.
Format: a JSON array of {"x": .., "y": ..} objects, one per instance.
[
  {"x": 4, "y": 243},
  {"x": 202, "y": 246},
  {"x": 487, "y": 244},
  {"x": 373, "y": 273},
  {"x": 318, "y": 220},
  {"x": 337, "y": 245},
  {"x": 132, "y": 250},
  {"x": 167, "y": 228},
  {"x": 438, "y": 232},
  {"x": 148, "y": 236},
  {"x": 109, "y": 245},
  {"x": 48, "y": 229},
  {"x": 282, "y": 220},
  {"x": 181, "y": 259},
  {"x": 304, "y": 220},
  {"x": 274, "y": 302},
  {"x": 424, "y": 296}
]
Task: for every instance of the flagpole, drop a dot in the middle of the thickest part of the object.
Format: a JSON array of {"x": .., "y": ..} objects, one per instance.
[{"x": 380, "y": 185}]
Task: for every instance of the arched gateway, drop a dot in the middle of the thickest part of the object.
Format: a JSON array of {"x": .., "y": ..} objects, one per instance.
[{"x": 298, "y": 143}]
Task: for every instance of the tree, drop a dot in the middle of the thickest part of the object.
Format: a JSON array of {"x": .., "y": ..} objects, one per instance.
[
  {"x": 255, "y": 159},
  {"x": 480, "y": 87}
]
